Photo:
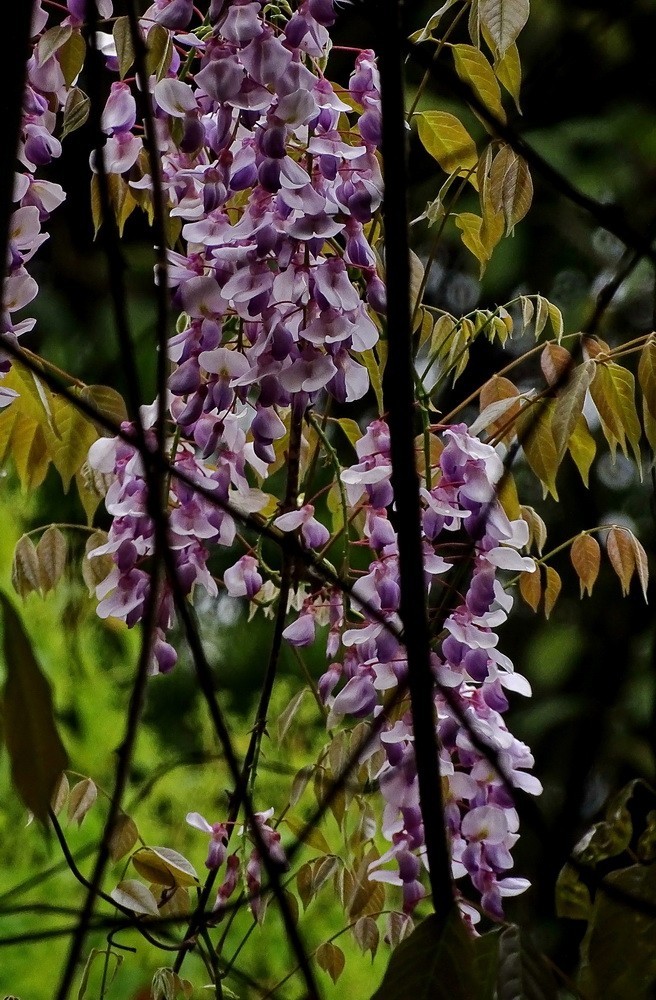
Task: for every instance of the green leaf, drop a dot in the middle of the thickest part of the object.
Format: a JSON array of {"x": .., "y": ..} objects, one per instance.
[
  {"x": 503, "y": 19},
  {"x": 572, "y": 896},
  {"x": 51, "y": 41},
  {"x": 76, "y": 111},
  {"x": 535, "y": 432},
  {"x": 124, "y": 47},
  {"x": 375, "y": 369},
  {"x": 71, "y": 57},
  {"x": 313, "y": 837},
  {"x": 351, "y": 428},
  {"x": 618, "y": 958},
  {"x": 35, "y": 749},
  {"x": 523, "y": 972},
  {"x": 160, "y": 51},
  {"x": 569, "y": 404},
  {"x": 486, "y": 964},
  {"x": 107, "y": 401},
  {"x": 473, "y": 69},
  {"x": 448, "y": 141},
  {"x": 75, "y": 435},
  {"x": 435, "y": 963}
]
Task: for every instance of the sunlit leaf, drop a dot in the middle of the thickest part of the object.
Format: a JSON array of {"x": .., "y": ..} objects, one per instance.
[
  {"x": 535, "y": 432},
  {"x": 448, "y": 141},
  {"x": 473, "y": 69},
  {"x": 509, "y": 73},
  {"x": 36, "y": 752},
  {"x": 582, "y": 448}
]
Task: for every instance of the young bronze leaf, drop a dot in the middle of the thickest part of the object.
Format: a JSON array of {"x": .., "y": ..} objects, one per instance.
[
  {"x": 622, "y": 556},
  {"x": 530, "y": 587},
  {"x": 367, "y": 935},
  {"x": 503, "y": 19},
  {"x": 82, "y": 797},
  {"x": 647, "y": 380},
  {"x": 313, "y": 837},
  {"x": 25, "y": 577},
  {"x": 511, "y": 187},
  {"x": 537, "y": 529},
  {"x": 448, "y": 141},
  {"x": 123, "y": 837},
  {"x": 60, "y": 795},
  {"x": 582, "y": 448},
  {"x": 51, "y": 556},
  {"x": 553, "y": 585},
  {"x": 436, "y": 962},
  {"x": 304, "y": 884},
  {"x": 36, "y": 753},
  {"x": 585, "y": 554},
  {"x": 555, "y": 361},
  {"x": 331, "y": 959},
  {"x": 498, "y": 390},
  {"x": 473, "y": 69}
]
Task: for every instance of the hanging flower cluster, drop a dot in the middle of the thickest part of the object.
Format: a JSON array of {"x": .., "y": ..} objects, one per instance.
[
  {"x": 467, "y": 540},
  {"x": 35, "y": 198}
]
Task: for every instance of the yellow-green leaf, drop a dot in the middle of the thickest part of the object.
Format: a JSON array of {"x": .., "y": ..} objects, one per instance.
[
  {"x": 473, "y": 69},
  {"x": 124, "y": 47},
  {"x": 448, "y": 141},
  {"x": 36, "y": 752},
  {"x": 568, "y": 407},
  {"x": 535, "y": 432},
  {"x": 509, "y": 73},
  {"x": 582, "y": 448},
  {"x": 76, "y": 111},
  {"x": 71, "y": 57},
  {"x": 470, "y": 226},
  {"x": 647, "y": 380},
  {"x": 75, "y": 435},
  {"x": 613, "y": 393},
  {"x": 585, "y": 554},
  {"x": 503, "y": 19},
  {"x": 314, "y": 837}
]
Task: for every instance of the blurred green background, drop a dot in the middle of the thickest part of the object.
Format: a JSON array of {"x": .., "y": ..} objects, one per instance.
[{"x": 588, "y": 107}]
